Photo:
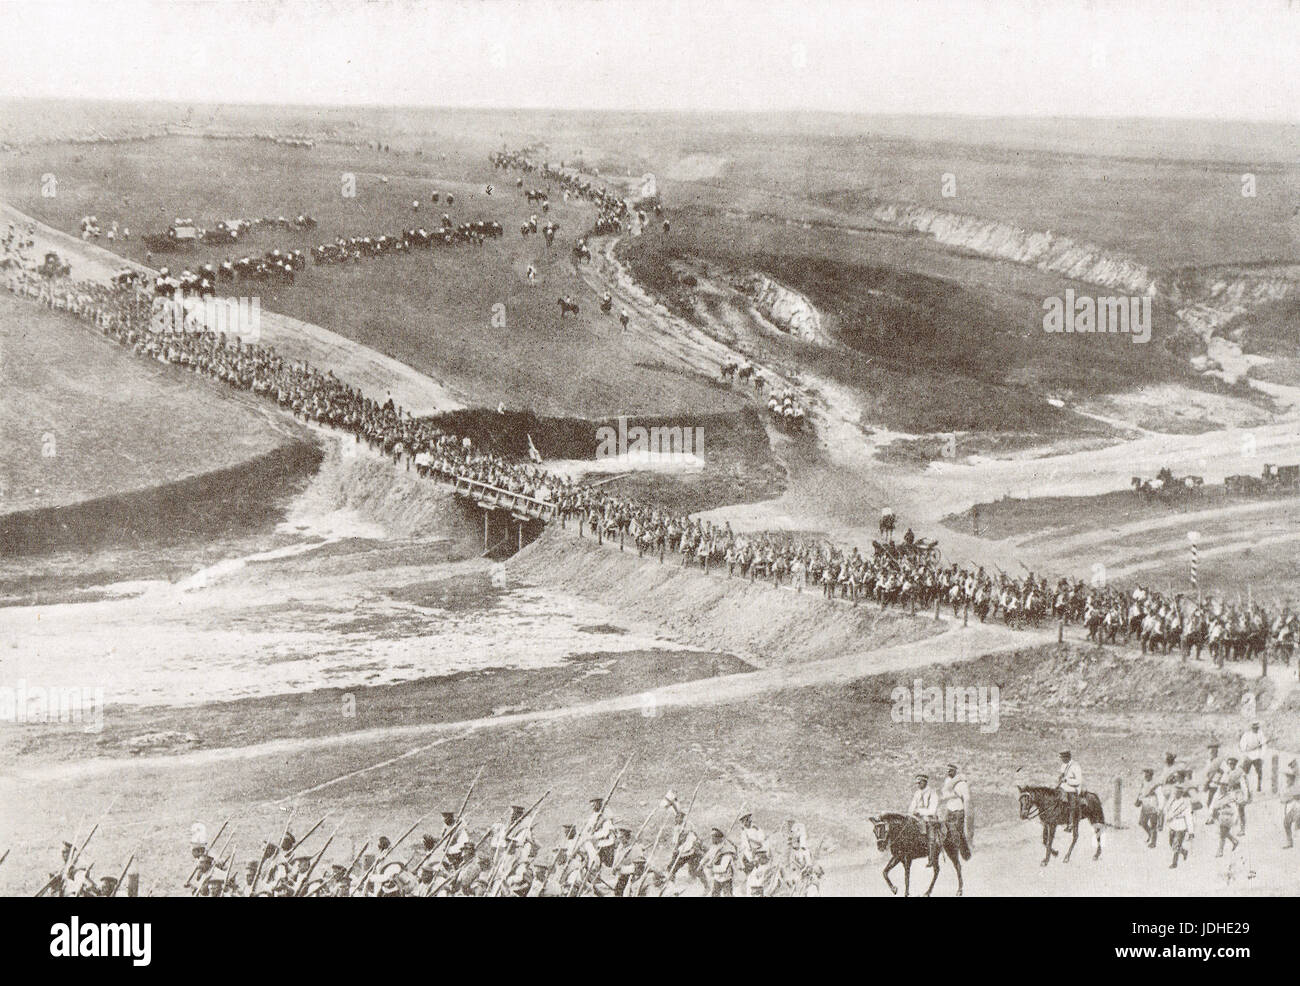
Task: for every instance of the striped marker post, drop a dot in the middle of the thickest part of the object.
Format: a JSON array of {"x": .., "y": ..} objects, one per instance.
[{"x": 1192, "y": 538}]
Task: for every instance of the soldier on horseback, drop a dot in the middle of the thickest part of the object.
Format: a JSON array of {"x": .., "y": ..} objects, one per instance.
[
  {"x": 925, "y": 808},
  {"x": 1070, "y": 784}
]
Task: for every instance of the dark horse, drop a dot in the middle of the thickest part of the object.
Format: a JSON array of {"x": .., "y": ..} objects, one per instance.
[
  {"x": 566, "y": 306},
  {"x": 1046, "y": 804},
  {"x": 904, "y": 838}
]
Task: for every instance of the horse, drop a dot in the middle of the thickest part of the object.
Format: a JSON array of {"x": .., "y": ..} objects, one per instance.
[
  {"x": 728, "y": 371},
  {"x": 1051, "y": 809},
  {"x": 566, "y": 306},
  {"x": 887, "y": 524},
  {"x": 904, "y": 838}
]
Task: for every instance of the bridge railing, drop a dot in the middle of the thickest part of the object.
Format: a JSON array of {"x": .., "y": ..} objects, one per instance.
[{"x": 484, "y": 493}]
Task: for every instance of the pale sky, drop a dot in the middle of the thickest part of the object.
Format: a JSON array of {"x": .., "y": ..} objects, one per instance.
[{"x": 1183, "y": 58}]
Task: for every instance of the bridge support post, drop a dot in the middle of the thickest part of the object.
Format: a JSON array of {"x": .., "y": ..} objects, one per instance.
[
  {"x": 485, "y": 530},
  {"x": 1119, "y": 798},
  {"x": 521, "y": 535},
  {"x": 1060, "y": 632}
]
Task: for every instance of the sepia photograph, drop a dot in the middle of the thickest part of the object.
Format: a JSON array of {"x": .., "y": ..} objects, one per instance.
[{"x": 649, "y": 448}]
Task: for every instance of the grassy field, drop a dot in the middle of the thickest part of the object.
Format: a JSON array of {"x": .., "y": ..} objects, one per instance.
[
  {"x": 932, "y": 340},
  {"x": 466, "y": 316},
  {"x": 84, "y": 418},
  {"x": 1167, "y": 192}
]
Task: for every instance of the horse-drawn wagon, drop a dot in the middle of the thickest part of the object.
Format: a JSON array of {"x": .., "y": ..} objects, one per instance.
[
  {"x": 1281, "y": 477},
  {"x": 1272, "y": 479},
  {"x": 183, "y": 232},
  {"x": 1167, "y": 485},
  {"x": 921, "y": 550}
]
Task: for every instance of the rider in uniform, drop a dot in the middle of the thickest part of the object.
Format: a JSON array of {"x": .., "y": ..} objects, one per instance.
[
  {"x": 925, "y": 808},
  {"x": 1070, "y": 784}
]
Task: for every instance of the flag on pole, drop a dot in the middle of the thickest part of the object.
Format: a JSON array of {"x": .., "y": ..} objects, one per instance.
[{"x": 533, "y": 454}]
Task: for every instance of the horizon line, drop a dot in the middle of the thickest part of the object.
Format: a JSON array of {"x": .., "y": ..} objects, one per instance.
[{"x": 656, "y": 111}]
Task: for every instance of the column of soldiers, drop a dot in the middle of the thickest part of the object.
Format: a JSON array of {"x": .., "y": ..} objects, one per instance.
[
  {"x": 597, "y": 858},
  {"x": 1216, "y": 793}
]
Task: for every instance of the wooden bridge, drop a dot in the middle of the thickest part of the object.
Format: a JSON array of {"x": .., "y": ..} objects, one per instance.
[{"x": 517, "y": 507}]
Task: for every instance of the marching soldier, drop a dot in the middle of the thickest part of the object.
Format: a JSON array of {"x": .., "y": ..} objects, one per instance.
[
  {"x": 1150, "y": 804},
  {"x": 1212, "y": 771},
  {"x": 474, "y": 872},
  {"x": 569, "y": 848},
  {"x": 1234, "y": 792},
  {"x": 804, "y": 870},
  {"x": 1178, "y": 819},
  {"x": 721, "y": 865},
  {"x": 520, "y": 843},
  {"x": 752, "y": 841},
  {"x": 249, "y": 888},
  {"x": 1291, "y": 803},
  {"x": 338, "y": 883},
  {"x": 197, "y": 882},
  {"x": 57, "y": 880},
  {"x": 688, "y": 851},
  {"x": 600, "y": 831},
  {"x": 631, "y": 862},
  {"x": 453, "y": 833},
  {"x": 925, "y": 808},
  {"x": 763, "y": 876},
  {"x": 1254, "y": 748}
]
